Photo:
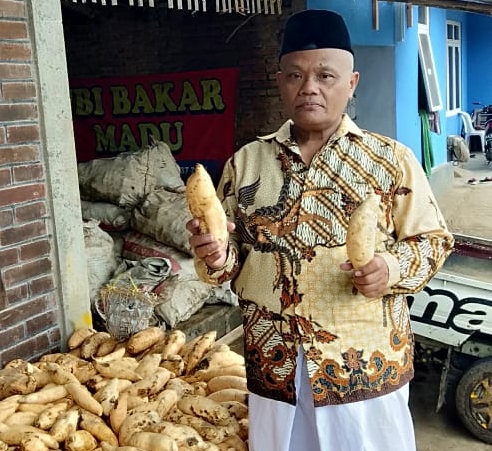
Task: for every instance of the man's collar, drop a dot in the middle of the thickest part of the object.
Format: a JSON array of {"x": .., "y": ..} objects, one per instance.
[{"x": 284, "y": 136}]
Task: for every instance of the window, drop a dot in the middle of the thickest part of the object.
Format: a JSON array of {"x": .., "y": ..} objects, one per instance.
[
  {"x": 428, "y": 71},
  {"x": 453, "y": 43}
]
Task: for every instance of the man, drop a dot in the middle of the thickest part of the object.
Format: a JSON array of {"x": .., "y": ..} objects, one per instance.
[{"x": 328, "y": 350}]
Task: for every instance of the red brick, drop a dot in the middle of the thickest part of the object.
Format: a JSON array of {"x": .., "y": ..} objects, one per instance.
[
  {"x": 19, "y": 154},
  {"x": 12, "y": 9},
  {"x": 34, "y": 250},
  {"x": 22, "y": 133},
  {"x": 13, "y": 30},
  {"x": 2, "y": 133},
  {"x": 26, "y": 173},
  {"x": 41, "y": 285},
  {"x": 24, "y": 193},
  {"x": 18, "y": 112},
  {"x": 29, "y": 349},
  {"x": 18, "y": 274},
  {"x": 29, "y": 212},
  {"x": 5, "y": 177},
  {"x": 18, "y": 91},
  {"x": 11, "y": 334},
  {"x": 22, "y": 233},
  {"x": 14, "y": 51},
  {"x": 9, "y": 257},
  {"x": 40, "y": 323},
  {"x": 6, "y": 217},
  {"x": 15, "y": 295}
]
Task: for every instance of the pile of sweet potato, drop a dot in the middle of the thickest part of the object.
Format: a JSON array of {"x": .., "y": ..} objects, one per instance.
[{"x": 154, "y": 392}]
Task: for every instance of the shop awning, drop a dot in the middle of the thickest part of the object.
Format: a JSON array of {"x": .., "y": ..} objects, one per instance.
[{"x": 244, "y": 7}]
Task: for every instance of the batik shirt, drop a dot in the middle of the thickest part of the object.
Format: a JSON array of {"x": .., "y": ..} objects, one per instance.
[{"x": 285, "y": 254}]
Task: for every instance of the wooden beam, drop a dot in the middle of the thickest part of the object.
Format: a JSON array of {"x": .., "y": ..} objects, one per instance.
[
  {"x": 375, "y": 15},
  {"x": 409, "y": 7},
  {"x": 470, "y": 6}
]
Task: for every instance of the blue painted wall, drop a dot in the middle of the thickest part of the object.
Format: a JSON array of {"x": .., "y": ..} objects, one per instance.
[{"x": 476, "y": 58}]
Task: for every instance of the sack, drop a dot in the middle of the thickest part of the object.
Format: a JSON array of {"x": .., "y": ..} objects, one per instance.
[
  {"x": 458, "y": 149},
  {"x": 163, "y": 216},
  {"x": 110, "y": 216},
  {"x": 101, "y": 260},
  {"x": 125, "y": 180}
]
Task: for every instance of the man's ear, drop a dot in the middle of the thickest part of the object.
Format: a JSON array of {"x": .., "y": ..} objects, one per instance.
[
  {"x": 354, "y": 81},
  {"x": 278, "y": 76}
]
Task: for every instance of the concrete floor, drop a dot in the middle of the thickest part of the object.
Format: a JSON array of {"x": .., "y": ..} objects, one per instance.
[{"x": 467, "y": 207}]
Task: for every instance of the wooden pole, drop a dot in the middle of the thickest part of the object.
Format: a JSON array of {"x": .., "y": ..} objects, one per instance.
[{"x": 375, "y": 15}]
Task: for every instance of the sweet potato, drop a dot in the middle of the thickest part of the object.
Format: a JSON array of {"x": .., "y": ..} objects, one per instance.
[
  {"x": 97, "y": 427},
  {"x": 361, "y": 231},
  {"x": 33, "y": 443},
  {"x": 150, "y": 385},
  {"x": 181, "y": 433},
  {"x": 173, "y": 342},
  {"x": 148, "y": 365},
  {"x": 204, "y": 204},
  {"x": 89, "y": 346},
  {"x": 13, "y": 435},
  {"x": 19, "y": 418},
  {"x": 229, "y": 394},
  {"x": 237, "y": 409},
  {"x": 80, "y": 440},
  {"x": 136, "y": 423},
  {"x": 173, "y": 363},
  {"x": 194, "y": 350},
  {"x": 122, "y": 369},
  {"x": 108, "y": 395},
  {"x": 119, "y": 412},
  {"x": 83, "y": 397},
  {"x": 153, "y": 441},
  {"x": 204, "y": 408},
  {"x": 226, "y": 381},
  {"x": 47, "y": 394},
  {"x": 78, "y": 336},
  {"x": 65, "y": 424},
  {"x": 144, "y": 339},
  {"x": 49, "y": 415}
]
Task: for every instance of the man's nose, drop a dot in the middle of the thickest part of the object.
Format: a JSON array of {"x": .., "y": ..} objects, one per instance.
[{"x": 310, "y": 85}]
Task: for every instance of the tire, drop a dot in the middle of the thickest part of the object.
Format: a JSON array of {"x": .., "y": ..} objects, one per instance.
[{"x": 474, "y": 399}]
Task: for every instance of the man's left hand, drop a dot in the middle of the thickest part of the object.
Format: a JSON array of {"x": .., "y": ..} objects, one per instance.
[{"x": 372, "y": 279}]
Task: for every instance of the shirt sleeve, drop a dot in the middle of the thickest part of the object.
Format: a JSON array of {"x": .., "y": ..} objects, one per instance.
[{"x": 423, "y": 241}]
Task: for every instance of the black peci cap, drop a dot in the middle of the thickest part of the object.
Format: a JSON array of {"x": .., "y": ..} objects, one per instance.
[{"x": 315, "y": 29}]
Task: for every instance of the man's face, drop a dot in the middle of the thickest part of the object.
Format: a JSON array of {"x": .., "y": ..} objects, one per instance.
[{"x": 315, "y": 86}]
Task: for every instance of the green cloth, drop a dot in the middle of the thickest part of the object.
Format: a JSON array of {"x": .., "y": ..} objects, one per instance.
[{"x": 427, "y": 154}]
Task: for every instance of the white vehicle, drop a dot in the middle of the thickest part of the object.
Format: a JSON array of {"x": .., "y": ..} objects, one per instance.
[{"x": 452, "y": 319}]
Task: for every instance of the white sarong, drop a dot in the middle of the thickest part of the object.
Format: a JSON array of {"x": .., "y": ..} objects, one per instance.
[{"x": 378, "y": 424}]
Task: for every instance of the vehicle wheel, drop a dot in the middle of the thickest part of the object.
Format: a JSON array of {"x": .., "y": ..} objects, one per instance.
[{"x": 474, "y": 399}]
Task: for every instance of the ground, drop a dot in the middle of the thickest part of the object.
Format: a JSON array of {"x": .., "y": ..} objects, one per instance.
[{"x": 467, "y": 207}]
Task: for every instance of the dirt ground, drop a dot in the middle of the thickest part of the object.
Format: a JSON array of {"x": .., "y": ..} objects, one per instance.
[{"x": 467, "y": 206}]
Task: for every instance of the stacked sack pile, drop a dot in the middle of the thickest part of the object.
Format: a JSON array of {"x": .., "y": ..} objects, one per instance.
[
  {"x": 153, "y": 392},
  {"x": 135, "y": 210}
]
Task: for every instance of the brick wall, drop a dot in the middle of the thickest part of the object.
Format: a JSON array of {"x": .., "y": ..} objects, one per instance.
[
  {"x": 28, "y": 307},
  {"x": 118, "y": 41}
]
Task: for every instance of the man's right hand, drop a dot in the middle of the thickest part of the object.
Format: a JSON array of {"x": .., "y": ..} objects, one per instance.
[{"x": 205, "y": 247}]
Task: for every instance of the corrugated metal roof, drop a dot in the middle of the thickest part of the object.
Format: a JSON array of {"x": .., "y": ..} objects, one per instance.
[{"x": 221, "y": 6}]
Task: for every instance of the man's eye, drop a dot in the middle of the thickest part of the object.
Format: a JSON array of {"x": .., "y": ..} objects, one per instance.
[
  {"x": 325, "y": 76},
  {"x": 295, "y": 76}
]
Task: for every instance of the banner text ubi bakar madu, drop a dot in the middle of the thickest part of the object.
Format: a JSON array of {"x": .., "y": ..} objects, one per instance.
[{"x": 115, "y": 103}]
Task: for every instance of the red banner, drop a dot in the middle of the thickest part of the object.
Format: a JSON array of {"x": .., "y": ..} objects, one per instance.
[{"x": 193, "y": 112}]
